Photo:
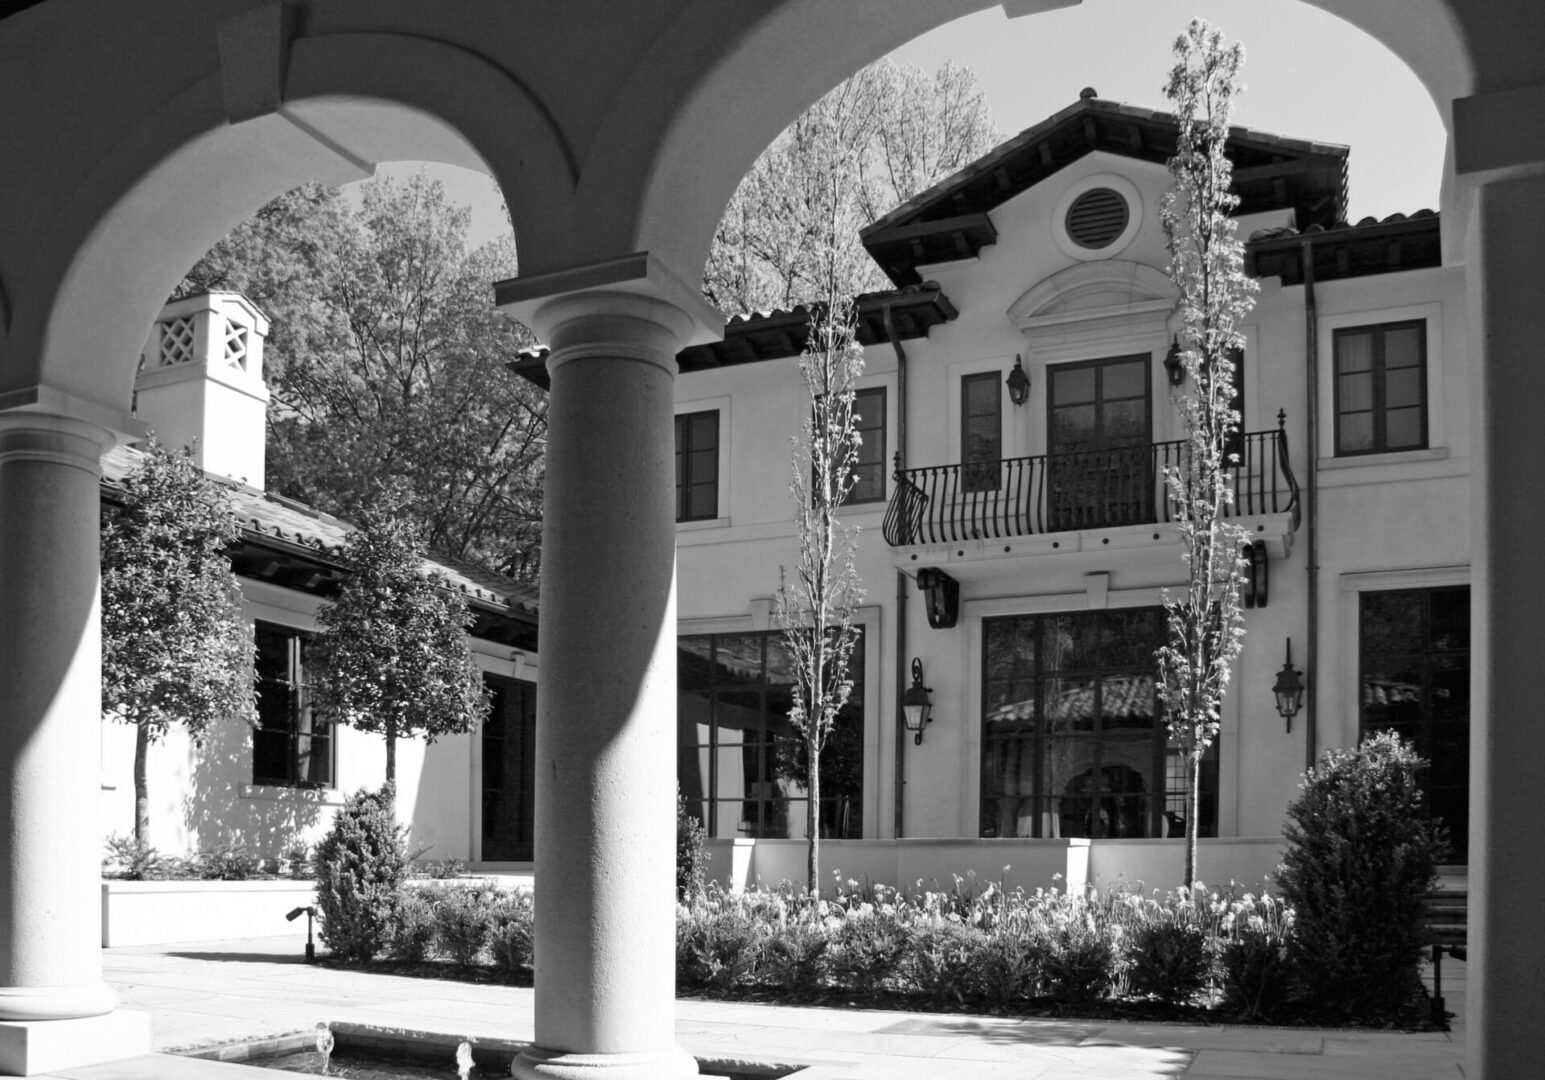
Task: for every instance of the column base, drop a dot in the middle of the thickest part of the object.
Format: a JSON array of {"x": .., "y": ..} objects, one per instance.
[
  {"x": 30, "y": 1047},
  {"x": 535, "y": 1063}
]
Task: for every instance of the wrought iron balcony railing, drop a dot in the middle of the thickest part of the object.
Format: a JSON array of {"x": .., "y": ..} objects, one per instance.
[{"x": 1098, "y": 489}]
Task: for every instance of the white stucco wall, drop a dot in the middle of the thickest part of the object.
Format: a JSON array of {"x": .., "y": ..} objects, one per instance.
[
  {"x": 202, "y": 796},
  {"x": 1402, "y": 516}
]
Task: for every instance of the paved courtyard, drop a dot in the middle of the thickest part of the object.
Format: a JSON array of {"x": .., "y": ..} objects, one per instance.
[{"x": 214, "y": 992}]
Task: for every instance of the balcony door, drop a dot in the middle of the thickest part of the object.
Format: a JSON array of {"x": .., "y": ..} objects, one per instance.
[{"x": 1099, "y": 464}]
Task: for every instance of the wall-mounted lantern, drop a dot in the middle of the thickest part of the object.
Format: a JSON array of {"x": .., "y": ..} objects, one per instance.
[
  {"x": 942, "y": 597},
  {"x": 1019, "y": 383},
  {"x": 1289, "y": 689},
  {"x": 916, "y": 708},
  {"x": 1173, "y": 366},
  {"x": 1257, "y": 574}
]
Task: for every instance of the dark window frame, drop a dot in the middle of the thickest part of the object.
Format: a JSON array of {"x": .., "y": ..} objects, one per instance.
[
  {"x": 1379, "y": 443},
  {"x": 284, "y": 711},
  {"x": 757, "y": 810},
  {"x": 1429, "y": 658},
  {"x": 871, "y": 434},
  {"x": 512, "y": 720},
  {"x": 1159, "y": 801},
  {"x": 687, "y": 481},
  {"x": 979, "y": 473}
]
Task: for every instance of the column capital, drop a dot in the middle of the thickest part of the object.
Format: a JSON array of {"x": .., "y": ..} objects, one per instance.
[
  {"x": 27, "y": 435},
  {"x": 632, "y": 307}
]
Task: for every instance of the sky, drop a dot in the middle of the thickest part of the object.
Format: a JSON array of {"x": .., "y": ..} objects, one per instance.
[{"x": 1307, "y": 74}]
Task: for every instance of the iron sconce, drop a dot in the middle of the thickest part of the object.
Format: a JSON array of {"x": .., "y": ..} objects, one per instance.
[
  {"x": 916, "y": 708},
  {"x": 1019, "y": 383},
  {"x": 1173, "y": 366},
  {"x": 1289, "y": 689}
]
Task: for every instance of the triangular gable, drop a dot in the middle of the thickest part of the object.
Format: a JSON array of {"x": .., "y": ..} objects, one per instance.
[{"x": 950, "y": 220}]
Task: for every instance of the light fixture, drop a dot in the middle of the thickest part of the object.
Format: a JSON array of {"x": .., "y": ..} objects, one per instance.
[
  {"x": 1289, "y": 689},
  {"x": 915, "y": 706},
  {"x": 309, "y": 913},
  {"x": 941, "y": 597},
  {"x": 1019, "y": 383},
  {"x": 1173, "y": 365}
]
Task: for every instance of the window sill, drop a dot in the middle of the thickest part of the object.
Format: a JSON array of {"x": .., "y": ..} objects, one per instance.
[
  {"x": 279, "y": 793},
  {"x": 1352, "y": 461},
  {"x": 707, "y": 523}
]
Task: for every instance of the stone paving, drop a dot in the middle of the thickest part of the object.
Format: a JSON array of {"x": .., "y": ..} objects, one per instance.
[{"x": 201, "y": 994}]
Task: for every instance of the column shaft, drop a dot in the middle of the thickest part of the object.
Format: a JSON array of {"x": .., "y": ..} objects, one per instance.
[
  {"x": 1506, "y": 1022},
  {"x": 50, "y": 712},
  {"x": 606, "y": 703}
]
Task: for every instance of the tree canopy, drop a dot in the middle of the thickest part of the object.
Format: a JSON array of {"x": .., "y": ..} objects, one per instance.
[
  {"x": 896, "y": 129},
  {"x": 386, "y": 362},
  {"x": 393, "y": 656},
  {"x": 175, "y": 646}
]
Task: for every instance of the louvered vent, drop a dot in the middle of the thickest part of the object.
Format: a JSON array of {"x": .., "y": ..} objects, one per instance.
[{"x": 1097, "y": 217}]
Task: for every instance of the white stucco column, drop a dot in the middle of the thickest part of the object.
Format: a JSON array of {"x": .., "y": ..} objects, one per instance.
[
  {"x": 1506, "y": 1007},
  {"x": 50, "y": 713},
  {"x": 606, "y": 697}
]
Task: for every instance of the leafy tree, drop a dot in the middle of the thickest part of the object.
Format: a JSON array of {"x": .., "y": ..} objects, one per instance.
[
  {"x": 893, "y": 131},
  {"x": 392, "y": 655},
  {"x": 1205, "y": 623},
  {"x": 387, "y": 365},
  {"x": 175, "y": 647},
  {"x": 815, "y": 607}
]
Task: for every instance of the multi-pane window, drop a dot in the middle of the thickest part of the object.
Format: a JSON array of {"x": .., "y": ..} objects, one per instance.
[
  {"x": 1415, "y": 660},
  {"x": 697, "y": 466},
  {"x": 509, "y": 771},
  {"x": 1100, "y": 470},
  {"x": 1381, "y": 388},
  {"x": 741, "y": 764},
  {"x": 869, "y": 469},
  {"x": 1073, "y": 739},
  {"x": 981, "y": 430},
  {"x": 290, "y": 747}
]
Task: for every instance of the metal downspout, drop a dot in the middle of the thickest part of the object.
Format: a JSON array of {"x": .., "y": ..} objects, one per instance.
[
  {"x": 1312, "y": 505},
  {"x": 900, "y": 782}
]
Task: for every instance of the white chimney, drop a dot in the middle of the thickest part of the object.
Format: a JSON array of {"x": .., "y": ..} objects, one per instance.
[{"x": 200, "y": 383}]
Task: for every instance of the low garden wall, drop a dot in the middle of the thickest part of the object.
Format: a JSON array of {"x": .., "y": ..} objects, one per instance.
[
  {"x": 161, "y": 912},
  {"x": 1032, "y": 864}
]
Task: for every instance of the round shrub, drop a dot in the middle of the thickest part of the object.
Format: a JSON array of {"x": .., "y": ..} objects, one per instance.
[
  {"x": 1169, "y": 960},
  {"x": 361, "y": 864},
  {"x": 717, "y": 947},
  {"x": 940, "y": 961},
  {"x": 413, "y": 927},
  {"x": 1008, "y": 965},
  {"x": 464, "y": 920},
  {"x": 1082, "y": 960},
  {"x": 867, "y": 948},
  {"x": 1255, "y": 958},
  {"x": 1361, "y": 858},
  {"x": 511, "y": 943}
]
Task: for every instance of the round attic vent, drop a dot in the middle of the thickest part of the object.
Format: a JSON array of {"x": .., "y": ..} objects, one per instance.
[{"x": 1097, "y": 218}]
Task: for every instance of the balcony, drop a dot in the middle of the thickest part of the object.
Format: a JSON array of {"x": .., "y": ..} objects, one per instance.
[{"x": 1053, "y": 493}]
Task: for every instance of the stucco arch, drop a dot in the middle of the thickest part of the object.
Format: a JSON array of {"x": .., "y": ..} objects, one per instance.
[
  {"x": 189, "y": 173},
  {"x": 1091, "y": 286}
]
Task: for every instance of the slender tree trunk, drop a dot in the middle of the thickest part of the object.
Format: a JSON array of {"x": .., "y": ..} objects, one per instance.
[
  {"x": 813, "y": 818},
  {"x": 1193, "y": 814},
  {"x": 141, "y": 787},
  {"x": 391, "y": 766}
]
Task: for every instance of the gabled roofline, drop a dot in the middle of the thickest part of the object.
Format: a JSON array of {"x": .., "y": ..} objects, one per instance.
[{"x": 1271, "y": 172}]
